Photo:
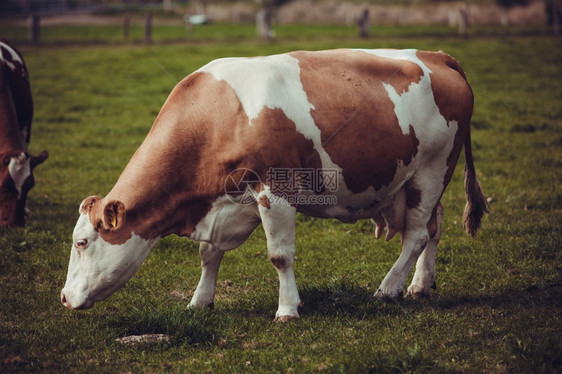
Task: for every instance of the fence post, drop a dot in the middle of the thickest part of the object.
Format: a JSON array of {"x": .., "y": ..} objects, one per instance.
[
  {"x": 463, "y": 21},
  {"x": 556, "y": 16},
  {"x": 167, "y": 5},
  {"x": 34, "y": 28},
  {"x": 148, "y": 28},
  {"x": 364, "y": 24},
  {"x": 263, "y": 23},
  {"x": 126, "y": 25},
  {"x": 188, "y": 26}
]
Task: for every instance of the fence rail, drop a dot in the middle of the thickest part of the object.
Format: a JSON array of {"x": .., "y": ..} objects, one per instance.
[{"x": 23, "y": 8}]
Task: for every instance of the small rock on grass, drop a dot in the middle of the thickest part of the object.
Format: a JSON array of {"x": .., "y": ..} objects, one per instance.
[{"x": 147, "y": 338}]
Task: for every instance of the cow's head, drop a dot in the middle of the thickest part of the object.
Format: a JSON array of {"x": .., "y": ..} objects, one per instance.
[
  {"x": 16, "y": 179},
  {"x": 105, "y": 253}
]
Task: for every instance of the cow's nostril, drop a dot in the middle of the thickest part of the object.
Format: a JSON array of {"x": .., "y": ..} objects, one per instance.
[{"x": 63, "y": 300}]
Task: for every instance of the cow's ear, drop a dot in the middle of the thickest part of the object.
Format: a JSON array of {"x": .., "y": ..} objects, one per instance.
[
  {"x": 39, "y": 159},
  {"x": 114, "y": 215},
  {"x": 88, "y": 204}
]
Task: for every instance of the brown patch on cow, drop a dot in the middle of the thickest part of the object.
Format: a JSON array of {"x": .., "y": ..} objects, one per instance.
[
  {"x": 432, "y": 225},
  {"x": 359, "y": 128},
  {"x": 279, "y": 146},
  {"x": 413, "y": 197},
  {"x": 278, "y": 262},
  {"x": 453, "y": 107},
  {"x": 239, "y": 180},
  {"x": 263, "y": 201},
  {"x": 88, "y": 204},
  {"x": 404, "y": 75}
]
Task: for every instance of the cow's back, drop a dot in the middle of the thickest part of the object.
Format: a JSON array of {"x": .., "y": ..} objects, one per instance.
[
  {"x": 367, "y": 113},
  {"x": 375, "y": 117}
]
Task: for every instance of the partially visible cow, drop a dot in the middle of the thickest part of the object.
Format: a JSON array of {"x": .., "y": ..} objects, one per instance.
[
  {"x": 381, "y": 130},
  {"x": 16, "y": 113}
]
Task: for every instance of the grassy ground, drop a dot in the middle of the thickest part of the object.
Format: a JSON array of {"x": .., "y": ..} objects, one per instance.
[{"x": 498, "y": 303}]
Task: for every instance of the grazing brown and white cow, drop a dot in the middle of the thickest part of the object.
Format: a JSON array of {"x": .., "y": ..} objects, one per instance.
[
  {"x": 16, "y": 113},
  {"x": 346, "y": 134}
]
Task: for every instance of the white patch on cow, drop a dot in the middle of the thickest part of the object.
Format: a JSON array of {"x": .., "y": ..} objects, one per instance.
[
  {"x": 19, "y": 170},
  {"x": 396, "y": 54},
  {"x": 274, "y": 82},
  {"x": 416, "y": 104},
  {"x": 15, "y": 58},
  {"x": 416, "y": 107},
  {"x": 228, "y": 224},
  {"x": 98, "y": 268}
]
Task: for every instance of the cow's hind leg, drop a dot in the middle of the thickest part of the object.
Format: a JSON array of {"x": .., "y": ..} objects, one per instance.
[
  {"x": 424, "y": 277},
  {"x": 421, "y": 202},
  {"x": 412, "y": 245},
  {"x": 210, "y": 262},
  {"x": 278, "y": 219}
]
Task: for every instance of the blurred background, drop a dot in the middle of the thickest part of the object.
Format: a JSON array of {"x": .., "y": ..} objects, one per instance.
[{"x": 173, "y": 20}]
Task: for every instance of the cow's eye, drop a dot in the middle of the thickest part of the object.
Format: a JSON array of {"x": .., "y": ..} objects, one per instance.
[{"x": 81, "y": 243}]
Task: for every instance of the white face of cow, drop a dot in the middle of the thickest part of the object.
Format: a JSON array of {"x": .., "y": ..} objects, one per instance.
[
  {"x": 16, "y": 179},
  {"x": 98, "y": 268}
]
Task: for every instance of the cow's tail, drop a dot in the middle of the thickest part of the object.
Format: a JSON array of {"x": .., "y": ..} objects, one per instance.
[{"x": 476, "y": 204}]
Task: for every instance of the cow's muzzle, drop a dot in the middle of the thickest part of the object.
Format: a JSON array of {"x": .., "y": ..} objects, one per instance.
[{"x": 87, "y": 304}]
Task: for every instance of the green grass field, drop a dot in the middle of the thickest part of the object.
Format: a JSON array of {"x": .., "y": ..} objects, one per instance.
[{"x": 497, "y": 307}]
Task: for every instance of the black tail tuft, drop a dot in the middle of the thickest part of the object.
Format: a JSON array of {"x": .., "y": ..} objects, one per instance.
[{"x": 476, "y": 204}]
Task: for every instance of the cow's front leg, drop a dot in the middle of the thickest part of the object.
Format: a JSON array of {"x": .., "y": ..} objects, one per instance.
[
  {"x": 424, "y": 277},
  {"x": 278, "y": 219},
  {"x": 210, "y": 262}
]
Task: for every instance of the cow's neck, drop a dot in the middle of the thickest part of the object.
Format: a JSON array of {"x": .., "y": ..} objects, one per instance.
[
  {"x": 161, "y": 186},
  {"x": 10, "y": 139}
]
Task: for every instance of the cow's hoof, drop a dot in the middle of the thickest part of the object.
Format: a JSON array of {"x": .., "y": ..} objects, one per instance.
[
  {"x": 380, "y": 294},
  {"x": 279, "y": 317},
  {"x": 418, "y": 295},
  {"x": 417, "y": 292},
  {"x": 193, "y": 305},
  {"x": 286, "y": 318}
]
